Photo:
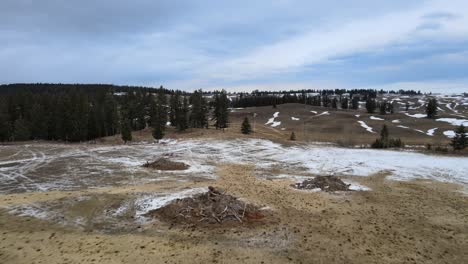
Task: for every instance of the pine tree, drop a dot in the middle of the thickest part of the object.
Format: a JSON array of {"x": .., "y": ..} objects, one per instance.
[
  {"x": 4, "y": 127},
  {"x": 407, "y": 106},
  {"x": 159, "y": 114},
  {"x": 385, "y": 141},
  {"x": 355, "y": 103},
  {"x": 125, "y": 126},
  {"x": 111, "y": 117},
  {"x": 292, "y": 137},
  {"x": 384, "y": 133},
  {"x": 335, "y": 103},
  {"x": 383, "y": 107},
  {"x": 344, "y": 103},
  {"x": 221, "y": 112},
  {"x": 174, "y": 106},
  {"x": 21, "y": 130},
  {"x": 198, "y": 115},
  {"x": 182, "y": 115},
  {"x": 460, "y": 141},
  {"x": 370, "y": 105},
  {"x": 431, "y": 108},
  {"x": 246, "y": 128}
]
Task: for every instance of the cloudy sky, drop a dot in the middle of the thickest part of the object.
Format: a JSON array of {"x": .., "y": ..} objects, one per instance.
[{"x": 237, "y": 45}]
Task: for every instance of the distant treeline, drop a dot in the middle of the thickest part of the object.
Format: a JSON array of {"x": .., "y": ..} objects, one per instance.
[
  {"x": 78, "y": 112},
  {"x": 325, "y": 98}
]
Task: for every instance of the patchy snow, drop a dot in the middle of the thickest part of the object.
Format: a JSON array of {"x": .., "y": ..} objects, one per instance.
[
  {"x": 76, "y": 167},
  {"x": 354, "y": 186},
  {"x": 126, "y": 161},
  {"x": 323, "y": 113},
  {"x": 154, "y": 201},
  {"x": 454, "y": 121},
  {"x": 376, "y": 118},
  {"x": 276, "y": 123},
  {"x": 368, "y": 128},
  {"x": 431, "y": 131},
  {"x": 272, "y": 120},
  {"x": 168, "y": 123},
  {"x": 357, "y": 116},
  {"x": 416, "y": 115},
  {"x": 168, "y": 141},
  {"x": 396, "y": 121},
  {"x": 449, "y": 133},
  {"x": 294, "y": 118},
  {"x": 403, "y": 127},
  {"x": 315, "y": 112}
]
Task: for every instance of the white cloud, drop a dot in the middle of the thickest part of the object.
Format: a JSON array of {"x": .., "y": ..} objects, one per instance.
[{"x": 315, "y": 46}]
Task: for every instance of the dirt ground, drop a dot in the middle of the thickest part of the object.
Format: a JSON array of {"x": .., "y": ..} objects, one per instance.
[{"x": 396, "y": 222}]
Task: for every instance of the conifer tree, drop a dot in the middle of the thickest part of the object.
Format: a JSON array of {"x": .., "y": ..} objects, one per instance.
[
  {"x": 198, "y": 115},
  {"x": 292, "y": 137},
  {"x": 370, "y": 105},
  {"x": 335, "y": 103},
  {"x": 221, "y": 112},
  {"x": 344, "y": 103},
  {"x": 159, "y": 114},
  {"x": 174, "y": 106},
  {"x": 383, "y": 107},
  {"x": 407, "y": 106},
  {"x": 110, "y": 117},
  {"x": 5, "y": 128},
  {"x": 21, "y": 130},
  {"x": 182, "y": 115},
  {"x": 125, "y": 126},
  {"x": 246, "y": 128},
  {"x": 355, "y": 103},
  {"x": 431, "y": 108},
  {"x": 460, "y": 141}
]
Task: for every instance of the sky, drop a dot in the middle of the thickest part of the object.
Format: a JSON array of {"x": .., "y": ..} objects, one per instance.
[{"x": 238, "y": 45}]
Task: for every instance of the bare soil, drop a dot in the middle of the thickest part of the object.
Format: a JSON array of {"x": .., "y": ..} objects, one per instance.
[{"x": 396, "y": 222}]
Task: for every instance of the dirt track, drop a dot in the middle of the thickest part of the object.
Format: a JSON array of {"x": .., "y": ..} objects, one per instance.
[{"x": 396, "y": 222}]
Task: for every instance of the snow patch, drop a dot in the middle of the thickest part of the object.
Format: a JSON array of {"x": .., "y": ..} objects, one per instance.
[
  {"x": 276, "y": 123},
  {"x": 449, "y": 133},
  {"x": 454, "y": 121},
  {"x": 431, "y": 131},
  {"x": 272, "y": 120},
  {"x": 416, "y": 115},
  {"x": 294, "y": 118},
  {"x": 368, "y": 128},
  {"x": 376, "y": 118},
  {"x": 324, "y": 113},
  {"x": 396, "y": 121},
  {"x": 154, "y": 201}
]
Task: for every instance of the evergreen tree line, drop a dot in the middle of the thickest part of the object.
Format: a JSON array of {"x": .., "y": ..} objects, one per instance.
[{"x": 86, "y": 112}]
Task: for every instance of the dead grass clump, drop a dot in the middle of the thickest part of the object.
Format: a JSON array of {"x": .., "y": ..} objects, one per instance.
[
  {"x": 165, "y": 164},
  {"x": 212, "y": 207},
  {"x": 325, "y": 183}
]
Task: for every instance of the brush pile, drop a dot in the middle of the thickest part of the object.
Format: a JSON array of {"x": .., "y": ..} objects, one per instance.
[
  {"x": 165, "y": 164},
  {"x": 212, "y": 207},
  {"x": 325, "y": 183}
]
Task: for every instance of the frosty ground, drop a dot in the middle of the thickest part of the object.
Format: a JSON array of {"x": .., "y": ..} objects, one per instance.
[{"x": 42, "y": 167}]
